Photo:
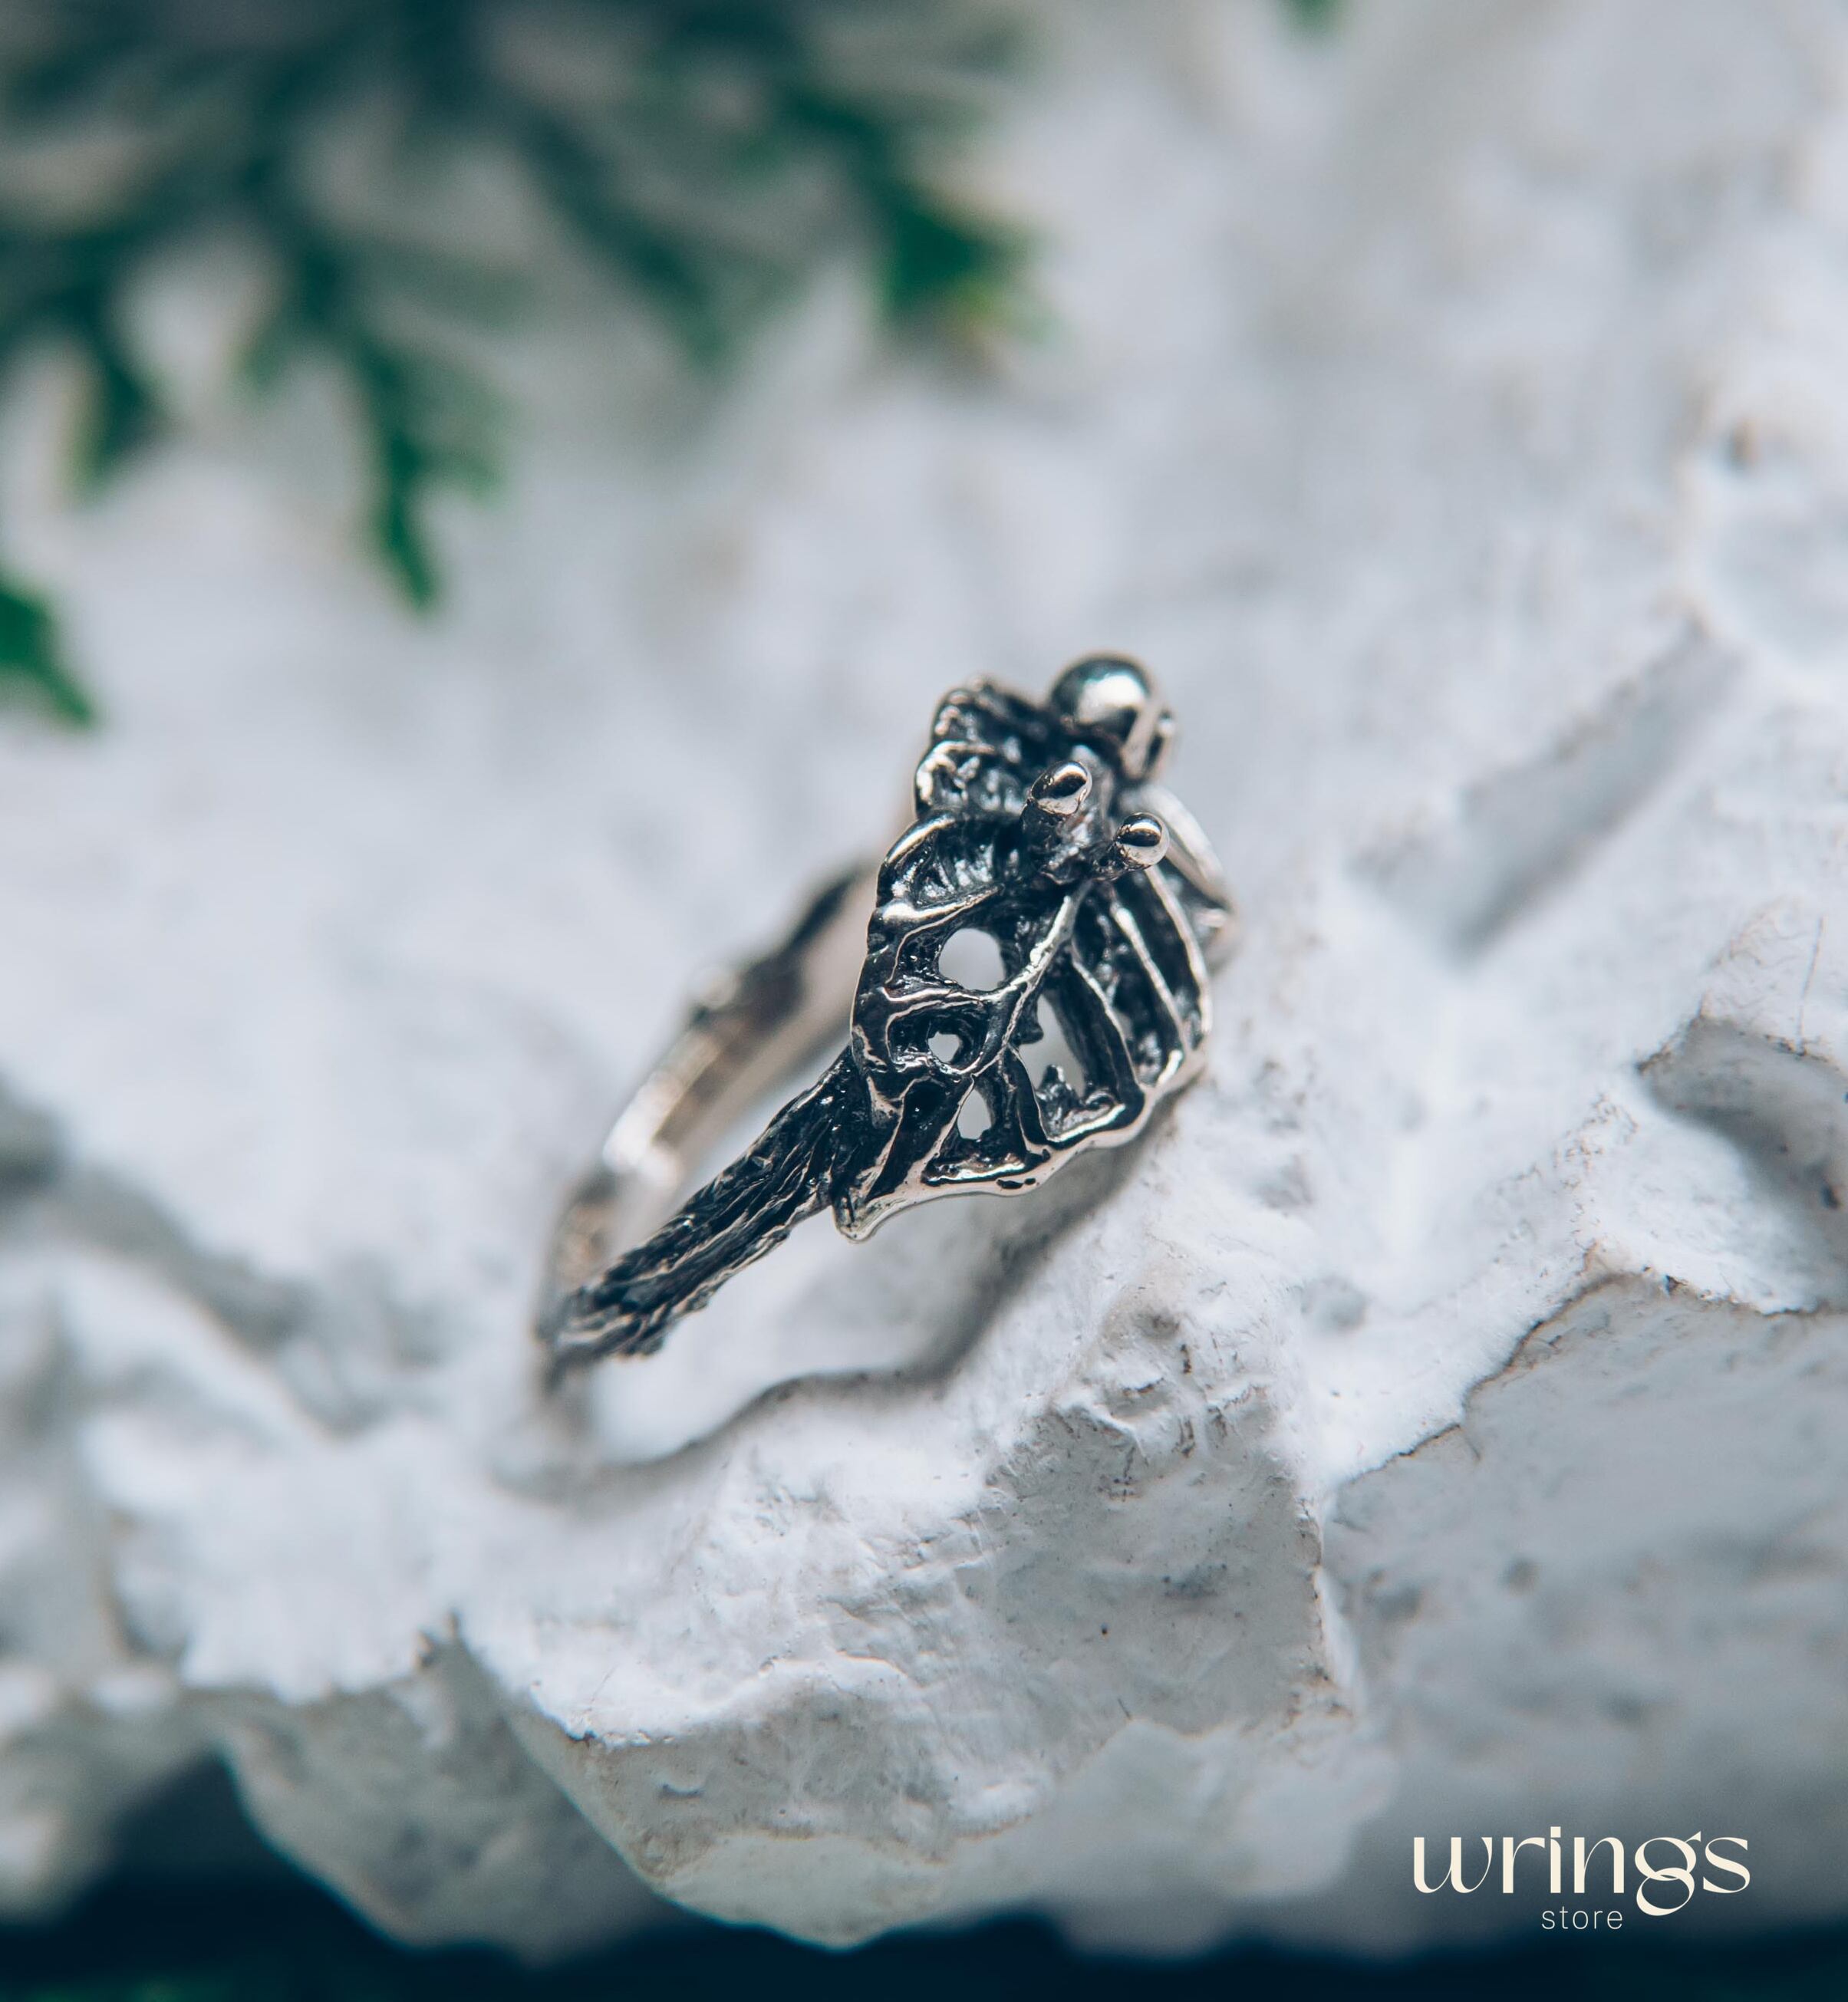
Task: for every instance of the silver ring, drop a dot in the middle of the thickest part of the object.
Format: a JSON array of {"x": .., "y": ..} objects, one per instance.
[{"x": 1040, "y": 827}]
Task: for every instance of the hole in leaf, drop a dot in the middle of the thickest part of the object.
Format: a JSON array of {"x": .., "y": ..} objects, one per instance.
[
  {"x": 974, "y": 1119},
  {"x": 972, "y": 959},
  {"x": 1055, "y": 1050},
  {"x": 945, "y": 1046}
]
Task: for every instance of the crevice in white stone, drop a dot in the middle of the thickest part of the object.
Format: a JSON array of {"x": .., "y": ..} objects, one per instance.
[
  {"x": 1786, "y": 1111},
  {"x": 1515, "y": 837}
]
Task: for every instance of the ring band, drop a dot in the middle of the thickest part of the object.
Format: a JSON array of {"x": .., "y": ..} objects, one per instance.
[{"x": 1040, "y": 826}]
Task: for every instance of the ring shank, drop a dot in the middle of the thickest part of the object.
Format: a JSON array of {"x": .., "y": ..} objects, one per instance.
[{"x": 747, "y": 1031}]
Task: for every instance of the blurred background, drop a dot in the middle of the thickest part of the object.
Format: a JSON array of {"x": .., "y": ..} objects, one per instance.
[{"x": 452, "y": 443}]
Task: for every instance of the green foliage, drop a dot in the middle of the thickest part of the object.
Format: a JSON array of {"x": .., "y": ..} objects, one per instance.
[
  {"x": 31, "y": 660},
  {"x": 704, "y": 154}
]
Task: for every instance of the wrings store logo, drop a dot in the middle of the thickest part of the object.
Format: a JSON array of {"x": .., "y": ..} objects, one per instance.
[{"x": 1663, "y": 1886}]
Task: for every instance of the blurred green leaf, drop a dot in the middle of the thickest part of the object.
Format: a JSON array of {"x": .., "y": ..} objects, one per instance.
[
  {"x": 31, "y": 661},
  {"x": 939, "y": 265},
  {"x": 124, "y": 413}
]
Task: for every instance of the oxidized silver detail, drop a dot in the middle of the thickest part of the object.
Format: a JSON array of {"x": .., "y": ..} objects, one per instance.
[{"x": 1038, "y": 823}]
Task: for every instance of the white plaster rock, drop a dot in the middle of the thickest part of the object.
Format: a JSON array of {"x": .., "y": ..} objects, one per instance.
[{"x": 1439, "y": 1425}]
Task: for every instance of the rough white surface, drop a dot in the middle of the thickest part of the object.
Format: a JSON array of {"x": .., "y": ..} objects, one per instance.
[{"x": 1440, "y": 1424}]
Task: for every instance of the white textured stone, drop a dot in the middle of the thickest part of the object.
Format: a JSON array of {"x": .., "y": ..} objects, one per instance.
[{"x": 1440, "y": 1424}]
